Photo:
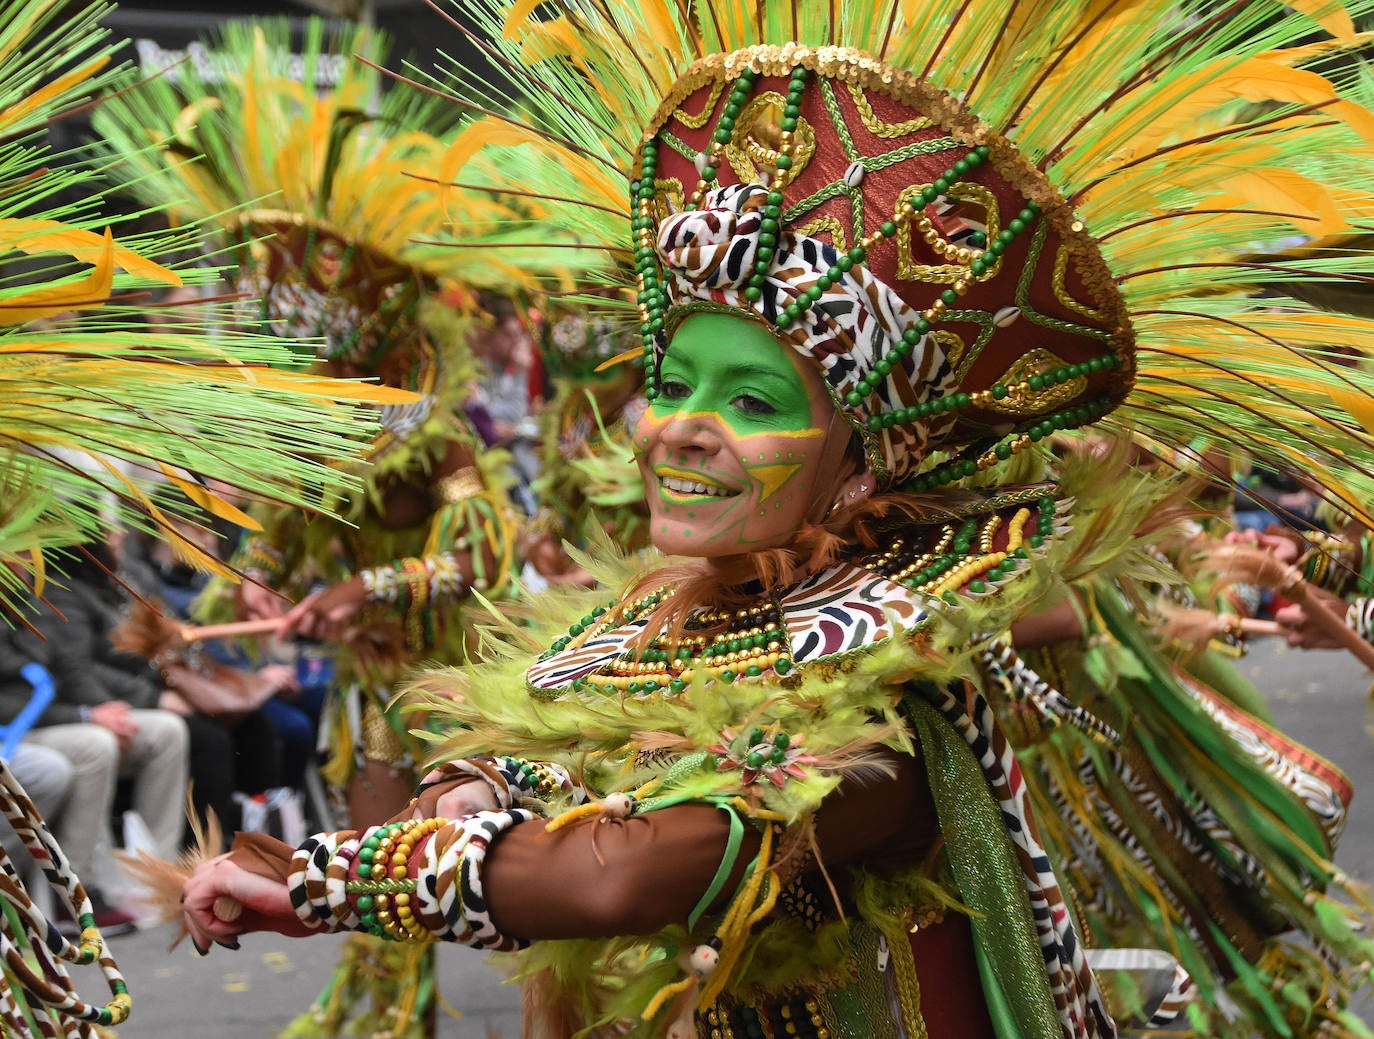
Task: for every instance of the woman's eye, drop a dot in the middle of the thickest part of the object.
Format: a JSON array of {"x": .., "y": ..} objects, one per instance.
[
  {"x": 673, "y": 389},
  {"x": 752, "y": 405}
]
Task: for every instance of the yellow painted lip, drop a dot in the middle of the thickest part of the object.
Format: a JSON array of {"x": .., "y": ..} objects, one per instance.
[{"x": 662, "y": 472}]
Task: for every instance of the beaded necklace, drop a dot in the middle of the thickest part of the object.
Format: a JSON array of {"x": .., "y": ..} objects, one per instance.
[
  {"x": 955, "y": 561},
  {"x": 747, "y": 643}
]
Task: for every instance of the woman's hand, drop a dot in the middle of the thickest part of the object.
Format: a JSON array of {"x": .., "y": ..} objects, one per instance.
[
  {"x": 1300, "y": 629},
  {"x": 254, "y": 601},
  {"x": 326, "y": 615},
  {"x": 1285, "y": 548},
  {"x": 263, "y": 904},
  {"x": 454, "y": 799}
]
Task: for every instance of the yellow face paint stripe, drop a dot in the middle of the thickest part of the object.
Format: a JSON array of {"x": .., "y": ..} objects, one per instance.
[{"x": 659, "y": 421}]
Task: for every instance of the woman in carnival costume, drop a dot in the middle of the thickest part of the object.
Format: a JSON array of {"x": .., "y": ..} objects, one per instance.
[
  {"x": 335, "y": 245},
  {"x": 84, "y": 379},
  {"x": 762, "y": 790}
]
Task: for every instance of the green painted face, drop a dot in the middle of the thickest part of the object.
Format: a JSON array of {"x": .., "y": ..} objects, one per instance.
[
  {"x": 736, "y": 450},
  {"x": 736, "y": 369}
]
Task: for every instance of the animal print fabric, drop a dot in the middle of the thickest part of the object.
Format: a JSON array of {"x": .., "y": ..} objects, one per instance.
[{"x": 709, "y": 255}]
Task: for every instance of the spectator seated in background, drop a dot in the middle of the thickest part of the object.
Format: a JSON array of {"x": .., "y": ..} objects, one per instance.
[
  {"x": 213, "y": 685},
  {"x": 105, "y": 718}
]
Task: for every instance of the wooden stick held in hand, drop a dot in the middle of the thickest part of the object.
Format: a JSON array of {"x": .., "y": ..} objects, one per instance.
[{"x": 201, "y": 632}]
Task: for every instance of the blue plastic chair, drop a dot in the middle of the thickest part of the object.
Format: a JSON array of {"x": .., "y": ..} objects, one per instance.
[{"x": 37, "y": 676}]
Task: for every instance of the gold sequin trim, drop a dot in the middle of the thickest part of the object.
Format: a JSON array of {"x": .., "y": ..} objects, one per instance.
[
  {"x": 380, "y": 742},
  {"x": 1061, "y": 290},
  {"x": 669, "y": 197},
  {"x": 827, "y": 225},
  {"x": 753, "y": 148},
  {"x": 859, "y": 69},
  {"x": 951, "y": 343},
  {"x": 959, "y": 256},
  {"x": 696, "y": 122},
  {"x": 461, "y": 485}
]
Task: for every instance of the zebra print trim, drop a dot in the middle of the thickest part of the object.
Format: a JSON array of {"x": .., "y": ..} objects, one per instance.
[
  {"x": 35, "y": 952},
  {"x": 837, "y": 611},
  {"x": 709, "y": 255},
  {"x": 1173, "y": 1002},
  {"x": 1004, "y": 665},
  {"x": 1082, "y": 1012}
]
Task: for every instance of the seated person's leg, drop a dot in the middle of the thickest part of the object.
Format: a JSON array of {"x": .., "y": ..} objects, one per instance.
[{"x": 158, "y": 759}]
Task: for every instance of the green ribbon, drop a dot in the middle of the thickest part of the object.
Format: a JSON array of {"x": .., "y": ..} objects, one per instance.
[{"x": 727, "y": 864}]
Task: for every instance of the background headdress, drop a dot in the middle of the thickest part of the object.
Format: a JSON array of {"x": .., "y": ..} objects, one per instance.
[
  {"x": 1107, "y": 170},
  {"x": 324, "y": 199},
  {"x": 83, "y": 375}
]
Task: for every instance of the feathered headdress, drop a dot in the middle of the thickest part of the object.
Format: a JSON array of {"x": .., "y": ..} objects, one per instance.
[
  {"x": 94, "y": 397},
  {"x": 323, "y": 197},
  {"x": 985, "y": 221},
  {"x": 319, "y": 190}
]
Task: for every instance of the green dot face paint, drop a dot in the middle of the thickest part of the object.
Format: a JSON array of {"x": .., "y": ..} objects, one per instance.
[{"x": 734, "y": 448}]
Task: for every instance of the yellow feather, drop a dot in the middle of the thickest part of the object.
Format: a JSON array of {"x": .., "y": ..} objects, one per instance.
[
  {"x": 1331, "y": 15},
  {"x": 38, "y": 567},
  {"x": 84, "y": 294},
  {"x": 488, "y": 132},
  {"x": 519, "y": 14},
  {"x": 50, "y": 236},
  {"x": 1282, "y": 191},
  {"x": 189, "y": 116},
  {"x": 658, "y": 19},
  {"x": 1358, "y": 406},
  {"x": 17, "y": 33},
  {"x": 1257, "y": 81},
  {"x": 11, "y": 117},
  {"x": 208, "y": 500},
  {"x": 1304, "y": 54},
  {"x": 183, "y": 548}
]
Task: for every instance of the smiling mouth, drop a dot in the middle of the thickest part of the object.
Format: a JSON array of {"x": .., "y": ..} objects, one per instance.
[{"x": 693, "y": 487}]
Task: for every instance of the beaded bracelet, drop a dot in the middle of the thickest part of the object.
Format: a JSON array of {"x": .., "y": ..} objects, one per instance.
[
  {"x": 305, "y": 879},
  {"x": 478, "y": 832},
  {"x": 384, "y": 892},
  {"x": 1359, "y": 615},
  {"x": 443, "y": 900},
  {"x": 1329, "y": 563},
  {"x": 414, "y": 580},
  {"x": 260, "y": 559}
]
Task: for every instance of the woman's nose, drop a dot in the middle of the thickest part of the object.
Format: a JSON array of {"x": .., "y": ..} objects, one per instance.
[{"x": 692, "y": 431}]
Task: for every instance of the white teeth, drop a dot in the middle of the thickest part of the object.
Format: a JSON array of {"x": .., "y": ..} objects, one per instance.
[{"x": 678, "y": 486}]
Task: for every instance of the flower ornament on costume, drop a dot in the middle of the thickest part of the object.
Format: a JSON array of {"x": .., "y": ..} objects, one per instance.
[{"x": 773, "y": 754}]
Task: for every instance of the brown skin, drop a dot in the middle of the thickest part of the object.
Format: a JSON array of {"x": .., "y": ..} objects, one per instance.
[
  {"x": 1058, "y": 623},
  {"x": 328, "y": 615},
  {"x": 1302, "y": 631},
  {"x": 655, "y": 865}
]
